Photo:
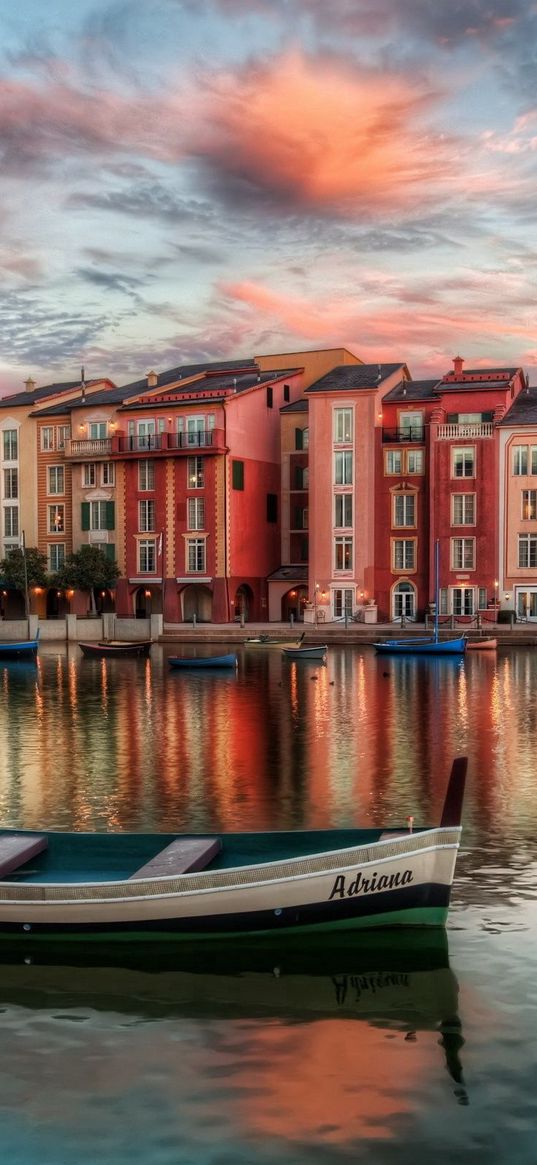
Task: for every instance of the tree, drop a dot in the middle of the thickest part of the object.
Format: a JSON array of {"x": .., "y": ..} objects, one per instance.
[
  {"x": 23, "y": 569},
  {"x": 86, "y": 570}
]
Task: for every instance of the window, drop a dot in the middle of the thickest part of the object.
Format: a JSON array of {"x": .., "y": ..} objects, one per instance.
[
  {"x": 146, "y": 515},
  {"x": 414, "y": 460},
  {"x": 463, "y": 600},
  {"x": 56, "y": 519},
  {"x": 302, "y": 438},
  {"x": 196, "y": 554},
  {"x": 11, "y": 521},
  {"x": 463, "y": 461},
  {"x": 146, "y": 475},
  {"x": 196, "y": 513},
  {"x": 10, "y": 445},
  {"x": 343, "y": 602},
  {"x": 302, "y": 476},
  {"x": 520, "y": 460},
  {"x": 343, "y": 510},
  {"x": 463, "y": 510},
  {"x": 482, "y": 599},
  {"x": 195, "y": 431},
  {"x": 269, "y": 396},
  {"x": 404, "y": 554},
  {"x": 11, "y": 483},
  {"x": 63, "y": 432},
  {"x": 47, "y": 439},
  {"x": 343, "y": 468},
  {"x": 98, "y": 516},
  {"x": 89, "y": 475},
  {"x": 463, "y": 553},
  {"x": 343, "y": 426},
  {"x": 142, "y": 434},
  {"x": 527, "y": 550},
  {"x": 301, "y": 518},
  {"x": 404, "y": 510},
  {"x": 56, "y": 555},
  {"x": 394, "y": 461},
  {"x": 56, "y": 479},
  {"x": 272, "y": 507},
  {"x": 529, "y": 503},
  {"x": 195, "y": 473},
  {"x": 98, "y": 430},
  {"x": 237, "y": 474},
  {"x": 411, "y": 426},
  {"x": 147, "y": 556},
  {"x": 108, "y": 473},
  {"x": 343, "y": 553},
  {"x": 286, "y": 392}
]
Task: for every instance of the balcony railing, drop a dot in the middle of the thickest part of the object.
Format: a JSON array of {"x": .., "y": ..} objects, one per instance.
[
  {"x": 456, "y": 432},
  {"x": 415, "y": 433},
  {"x": 88, "y": 449},
  {"x": 163, "y": 442}
]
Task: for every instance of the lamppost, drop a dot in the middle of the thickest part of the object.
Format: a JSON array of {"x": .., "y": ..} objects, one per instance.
[{"x": 496, "y": 585}]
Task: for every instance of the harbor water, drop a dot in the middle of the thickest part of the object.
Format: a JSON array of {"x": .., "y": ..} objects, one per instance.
[{"x": 366, "y": 1048}]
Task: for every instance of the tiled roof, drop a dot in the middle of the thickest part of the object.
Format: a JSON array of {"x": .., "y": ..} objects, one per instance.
[
  {"x": 291, "y": 574},
  {"x": 523, "y": 410},
  {"x": 37, "y": 394},
  {"x": 181, "y": 372},
  {"x": 353, "y": 376},
  {"x": 412, "y": 390},
  {"x": 510, "y": 372},
  {"x": 297, "y": 406},
  {"x": 470, "y": 385}
]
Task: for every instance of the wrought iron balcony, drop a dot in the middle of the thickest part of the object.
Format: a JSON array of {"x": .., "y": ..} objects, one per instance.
[
  {"x": 415, "y": 435},
  {"x": 209, "y": 441}
]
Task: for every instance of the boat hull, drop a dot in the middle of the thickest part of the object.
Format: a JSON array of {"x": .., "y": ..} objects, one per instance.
[
  {"x": 24, "y": 650},
  {"x": 203, "y": 662},
  {"x": 115, "y": 650},
  {"x": 318, "y": 653},
  {"x": 482, "y": 645},
  {"x": 421, "y": 647},
  {"x": 400, "y": 881}
]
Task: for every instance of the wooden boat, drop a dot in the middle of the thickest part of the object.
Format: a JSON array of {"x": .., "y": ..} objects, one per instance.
[
  {"x": 481, "y": 644},
  {"x": 314, "y": 652},
  {"x": 189, "y": 661},
  {"x": 267, "y": 642},
  {"x": 24, "y": 649},
  {"x": 426, "y": 645},
  {"x": 112, "y": 648},
  {"x": 128, "y": 886}
]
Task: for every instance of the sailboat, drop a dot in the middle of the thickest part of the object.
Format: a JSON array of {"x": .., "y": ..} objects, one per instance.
[{"x": 430, "y": 644}]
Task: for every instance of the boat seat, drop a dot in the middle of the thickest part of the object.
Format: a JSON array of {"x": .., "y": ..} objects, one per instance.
[
  {"x": 16, "y": 850},
  {"x": 389, "y": 833},
  {"x": 183, "y": 856}
]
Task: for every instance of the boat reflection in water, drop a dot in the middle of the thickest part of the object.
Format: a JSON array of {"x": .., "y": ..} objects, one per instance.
[{"x": 401, "y": 983}]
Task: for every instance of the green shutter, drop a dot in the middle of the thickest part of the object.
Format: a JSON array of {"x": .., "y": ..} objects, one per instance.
[
  {"x": 110, "y": 516},
  {"x": 110, "y": 551},
  {"x": 237, "y": 474},
  {"x": 299, "y": 439},
  {"x": 453, "y": 418},
  {"x": 85, "y": 515}
]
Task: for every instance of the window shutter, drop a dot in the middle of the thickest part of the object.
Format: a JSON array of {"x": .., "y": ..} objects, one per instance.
[
  {"x": 485, "y": 417},
  {"x": 299, "y": 477},
  {"x": 85, "y": 515},
  {"x": 110, "y": 516},
  {"x": 299, "y": 439},
  {"x": 453, "y": 418},
  {"x": 110, "y": 551}
]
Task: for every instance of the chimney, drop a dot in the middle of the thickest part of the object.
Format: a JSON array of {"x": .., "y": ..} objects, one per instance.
[
  {"x": 457, "y": 365},
  {"x": 29, "y": 384},
  {"x": 152, "y": 379},
  {"x": 83, "y": 384}
]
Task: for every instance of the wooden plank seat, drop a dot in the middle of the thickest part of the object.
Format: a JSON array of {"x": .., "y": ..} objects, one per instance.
[
  {"x": 15, "y": 851},
  {"x": 185, "y": 855}
]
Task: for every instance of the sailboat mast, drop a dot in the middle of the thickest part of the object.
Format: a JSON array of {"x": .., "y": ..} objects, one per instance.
[{"x": 436, "y": 586}]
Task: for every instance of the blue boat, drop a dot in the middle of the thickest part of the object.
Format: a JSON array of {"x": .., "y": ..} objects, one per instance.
[
  {"x": 24, "y": 649},
  {"x": 426, "y": 645},
  {"x": 190, "y": 661}
]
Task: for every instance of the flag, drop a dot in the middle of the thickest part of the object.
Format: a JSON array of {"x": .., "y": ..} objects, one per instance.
[{"x": 160, "y": 544}]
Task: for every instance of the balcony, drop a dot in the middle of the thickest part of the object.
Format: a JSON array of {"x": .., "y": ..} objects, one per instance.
[
  {"x": 88, "y": 449},
  {"x": 153, "y": 444},
  {"x": 413, "y": 435},
  {"x": 458, "y": 432}
]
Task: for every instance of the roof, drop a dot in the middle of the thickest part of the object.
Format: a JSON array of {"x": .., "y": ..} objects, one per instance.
[
  {"x": 291, "y": 574},
  {"x": 472, "y": 385},
  {"x": 523, "y": 410},
  {"x": 41, "y": 393},
  {"x": 412, "y": 390},
  {"x": 181, "y": 372},
  {"x": 353, "y": 376},
  {"x": 296, "y": 406}
]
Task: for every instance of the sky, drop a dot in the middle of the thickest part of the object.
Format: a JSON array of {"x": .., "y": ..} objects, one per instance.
[{"x": 187, "y": 180}]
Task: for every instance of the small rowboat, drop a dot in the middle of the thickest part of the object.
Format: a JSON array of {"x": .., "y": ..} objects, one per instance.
[
  {"x": 481, "y": 645},
  {"x": 315, "y": 652},
  {"x": 112, "y": 648},
  {"x": 266, "y": 642},
  {"x": 148, "y": 886},
  {"x": 23, "y": 649},
  {"x": 421, "y": 646},
  {"x": 189, "y": 661}
]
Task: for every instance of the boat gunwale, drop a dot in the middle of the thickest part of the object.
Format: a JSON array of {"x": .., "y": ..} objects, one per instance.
[{"x": 233, "y": 877}]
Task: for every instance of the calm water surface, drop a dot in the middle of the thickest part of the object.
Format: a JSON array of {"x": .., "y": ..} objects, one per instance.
[{"x": 364, "y": 1050}]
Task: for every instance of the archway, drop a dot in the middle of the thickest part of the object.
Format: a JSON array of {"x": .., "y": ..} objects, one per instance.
[
  {"x": 198, "y": 601},
  {"x": 243, "y": 602},
  {"x": 293, "y": 603},
  {"x": 403, "y": 601},
  {"x": 57, "y": 604}
]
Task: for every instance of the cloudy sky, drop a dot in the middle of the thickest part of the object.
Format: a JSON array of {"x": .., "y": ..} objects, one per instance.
[{"x": 194, "y": 179}]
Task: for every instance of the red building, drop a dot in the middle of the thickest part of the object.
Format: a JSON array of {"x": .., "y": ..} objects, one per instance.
[{"x": 437, "y": 477}]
